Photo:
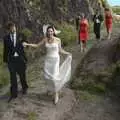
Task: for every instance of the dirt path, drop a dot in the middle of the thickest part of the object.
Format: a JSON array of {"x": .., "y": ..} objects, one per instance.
[{"x": 101, "y": 109}]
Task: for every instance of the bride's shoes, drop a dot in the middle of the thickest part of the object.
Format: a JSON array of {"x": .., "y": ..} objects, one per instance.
[{"x": 56, "y": 98}]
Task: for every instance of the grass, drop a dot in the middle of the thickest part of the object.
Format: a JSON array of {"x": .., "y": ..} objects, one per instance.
[
  {"x": 86, "y": 96},
  {"x": 90, "y": 84},
  {"x": 68, "y": 33},
  {"x": 32, "y": 116},
  {"x": 4, "y": 76},
  {"x": 27, "y": 33},
  {"x": 100, "y": 84}
]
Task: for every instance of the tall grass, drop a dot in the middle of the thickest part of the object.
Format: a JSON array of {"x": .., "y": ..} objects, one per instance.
[{"x": 4, "y": 76}]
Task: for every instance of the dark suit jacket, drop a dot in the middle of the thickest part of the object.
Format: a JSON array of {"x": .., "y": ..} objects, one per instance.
[
  {"x": 100, "y": 17},
  {"x": 9, "y": 49}
]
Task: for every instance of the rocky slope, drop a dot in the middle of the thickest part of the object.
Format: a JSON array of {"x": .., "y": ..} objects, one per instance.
[
  {"x": 33, "y": 13},
  {"x": 99, "y": 69}
]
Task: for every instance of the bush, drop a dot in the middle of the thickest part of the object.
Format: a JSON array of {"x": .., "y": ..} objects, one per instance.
[
  {"x": 26, "y": 32},
  {"x": 68, "y": 33},
  {"x": 4, "y": 76}
]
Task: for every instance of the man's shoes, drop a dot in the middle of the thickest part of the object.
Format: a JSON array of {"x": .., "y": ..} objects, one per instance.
[
  {"x": 24, "y": 92},
  {"x": 12, "y": 98}
]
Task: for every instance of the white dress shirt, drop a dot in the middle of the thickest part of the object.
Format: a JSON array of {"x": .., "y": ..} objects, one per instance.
[{"x": 13, "y": 38}]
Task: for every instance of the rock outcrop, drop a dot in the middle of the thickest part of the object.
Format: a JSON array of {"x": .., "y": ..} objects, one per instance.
[{"x": 32, "y": 14}]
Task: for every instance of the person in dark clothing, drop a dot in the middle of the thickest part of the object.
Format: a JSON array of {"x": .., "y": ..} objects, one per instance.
[
  {"x": 97, "y": 19},
  {"x": 14, "y": 56},
  {"x": 77, "y": 22}
]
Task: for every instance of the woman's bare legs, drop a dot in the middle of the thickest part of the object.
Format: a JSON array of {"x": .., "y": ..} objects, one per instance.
[
  {"x": 83, "y": 46},
  {"x": 109, "y": 31},
  {"x": 109, "y": 35},
  {"x": 56, "y": 97}
]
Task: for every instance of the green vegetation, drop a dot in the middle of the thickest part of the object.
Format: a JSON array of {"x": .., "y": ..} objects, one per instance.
[
  {"x": 27, "y": 32},
  {"x": 87, "y": 96},
  {"x": 68, "y": 33},
  {"x": 100, "y": 83},
  {"x": 32, "y": 116},
  {"x": 90, "y": 84},
  {"x": 105, "y": 3},
  {"x": 3, "y": 69},
  {"x": 116, "y": 9}
]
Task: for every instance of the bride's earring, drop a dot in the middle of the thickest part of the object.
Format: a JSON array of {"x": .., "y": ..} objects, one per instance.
[{"x": 56, "y": 98}]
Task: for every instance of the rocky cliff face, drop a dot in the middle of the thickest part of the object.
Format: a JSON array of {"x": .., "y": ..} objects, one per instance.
[
  {"x": 13, "y": 10},
  {"x": 33, "y": 13}
]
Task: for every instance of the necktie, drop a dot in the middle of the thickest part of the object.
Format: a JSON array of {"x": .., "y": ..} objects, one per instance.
[
  {"x": 14, "y": 43},
  {"x": 14, "y": 40}
]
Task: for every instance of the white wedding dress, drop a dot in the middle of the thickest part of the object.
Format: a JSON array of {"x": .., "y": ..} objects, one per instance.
[{"x": 56, "y": 75}]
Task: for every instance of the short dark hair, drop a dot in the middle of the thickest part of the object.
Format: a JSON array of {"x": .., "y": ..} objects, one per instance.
[{"x": 9, "y": 25}]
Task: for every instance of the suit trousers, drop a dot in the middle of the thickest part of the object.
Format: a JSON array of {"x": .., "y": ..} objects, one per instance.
[
  {"x": 97, "y": 30},
  {"x": 17, "y": 66}
]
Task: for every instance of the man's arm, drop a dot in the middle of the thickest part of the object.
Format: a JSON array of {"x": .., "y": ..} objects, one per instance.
[
  {"x": 5, "y": 51},
  {"x": 23, "y": 39}
]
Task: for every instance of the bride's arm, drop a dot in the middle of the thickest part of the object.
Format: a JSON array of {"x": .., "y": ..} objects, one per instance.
[
  {"x": 34, "y": 45},
  {"x": 61, "y": 50},
  {"x": 64, "y": 52},
  {"x": 29, "y": 44}
]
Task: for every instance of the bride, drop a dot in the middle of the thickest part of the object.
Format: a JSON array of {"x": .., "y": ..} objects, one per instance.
[{"x": 55, "y": 75}]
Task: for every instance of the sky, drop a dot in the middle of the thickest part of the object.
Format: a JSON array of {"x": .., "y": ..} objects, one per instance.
[{"x": 114, "y": 2}]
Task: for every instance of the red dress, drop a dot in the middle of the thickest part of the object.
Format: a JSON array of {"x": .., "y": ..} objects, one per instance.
[
  {"x": 83, "y": 33},
  {"x": 108, "y": 21}
]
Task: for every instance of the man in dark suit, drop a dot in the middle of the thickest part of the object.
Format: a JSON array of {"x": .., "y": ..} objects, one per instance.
[
  {"x": 97, "y": 19},
  {"x": 14, "y": 56}
]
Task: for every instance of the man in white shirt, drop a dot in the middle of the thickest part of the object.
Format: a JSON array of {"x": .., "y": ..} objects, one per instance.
[
  {"x": 97, "y": 19},
  {"x": 14, "y": 56}
]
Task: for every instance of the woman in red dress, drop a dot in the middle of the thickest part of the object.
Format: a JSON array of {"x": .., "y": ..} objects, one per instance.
[
  {"x": 83, "y": 33},
  {"x": 108, "y": 22}
]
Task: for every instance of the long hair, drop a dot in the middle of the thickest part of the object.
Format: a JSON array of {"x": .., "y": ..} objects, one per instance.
[{"x": 50, "y": 27}]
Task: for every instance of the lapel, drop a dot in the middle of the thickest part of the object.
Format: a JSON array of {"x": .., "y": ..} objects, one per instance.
[
  {"x": 10, "y": 42},
  {"x": 17, "y": 38},
  {"x": 9, "y": 38}
]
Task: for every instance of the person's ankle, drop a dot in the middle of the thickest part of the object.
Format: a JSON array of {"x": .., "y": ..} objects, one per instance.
[{"x": 56, "y": 98}]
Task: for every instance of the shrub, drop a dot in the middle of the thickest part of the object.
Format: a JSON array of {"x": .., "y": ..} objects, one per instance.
[
  {"x": 3, "y": 69},
  {"x": 26, "y": 32},
  {"x": 68, "y": 33}
]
